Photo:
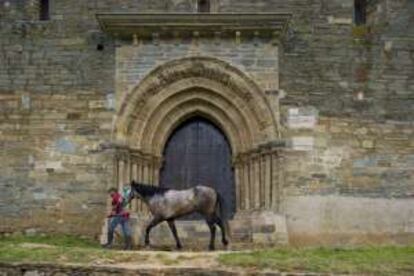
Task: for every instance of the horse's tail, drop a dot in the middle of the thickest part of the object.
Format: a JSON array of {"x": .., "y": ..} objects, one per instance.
[{"x": 221, "y": 214}]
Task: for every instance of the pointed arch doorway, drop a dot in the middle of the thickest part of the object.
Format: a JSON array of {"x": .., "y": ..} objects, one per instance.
[{"x": 198, "y": 153}]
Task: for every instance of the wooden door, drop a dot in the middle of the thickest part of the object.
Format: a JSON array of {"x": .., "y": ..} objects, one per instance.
[{"x": 198, "y": 153}]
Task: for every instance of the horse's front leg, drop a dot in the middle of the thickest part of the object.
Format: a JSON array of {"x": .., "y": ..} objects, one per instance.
[
  {"x": 212, "y": 227},
  {"x": 173, "y": 229},
  {"x": 154, "y": 222}
]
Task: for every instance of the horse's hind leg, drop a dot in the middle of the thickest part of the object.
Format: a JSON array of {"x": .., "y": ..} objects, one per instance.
[
  {"x": 154, "y": 222},
  {"x": 220, "y": 223},
  {"x": 173, "y": 229},
  {"x": 212, "y": 227}
]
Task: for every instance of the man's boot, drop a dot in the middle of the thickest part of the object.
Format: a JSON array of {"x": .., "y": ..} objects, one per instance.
[
  {"x": 108, "y": 244},
  {"x": 128, "y": 243}
]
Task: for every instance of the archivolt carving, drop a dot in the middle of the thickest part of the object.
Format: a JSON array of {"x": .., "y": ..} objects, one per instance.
[{"x": 204, "y": 86}]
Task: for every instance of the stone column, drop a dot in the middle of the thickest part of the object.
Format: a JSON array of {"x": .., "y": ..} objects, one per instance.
[
  {"x": 252, "y": 179},
  {"x": 268, "y": 181},
  {"x": 156, "y": 172},
  {"x": 134, "y": 206},
  {"x": 127, "y": 178},
  {"x": 140, "y": 178},
  {"x": 257, "y": 182},
  {"x": 238, "y": 187},
  {"x": 114, "y": 171},
  {"x": 246, "y": 181},
  {"x": 281, "y": 177},
  {"x": 145, "y": 173},
  {"x": 262, "y": 181},
  {"x": 276, "y": 177},
  {"x": 148, "y": 179},
  {"x": 121, "y": 174},
  {"x": 150, "y": 173},
  {"x": 258, "y": 176}
]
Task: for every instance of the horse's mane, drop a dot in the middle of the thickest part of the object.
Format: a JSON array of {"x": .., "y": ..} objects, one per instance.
[{"x": 147, "y": 190}]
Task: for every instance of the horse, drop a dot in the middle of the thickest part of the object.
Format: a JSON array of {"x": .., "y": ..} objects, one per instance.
[{"x": 168, "y": 205}]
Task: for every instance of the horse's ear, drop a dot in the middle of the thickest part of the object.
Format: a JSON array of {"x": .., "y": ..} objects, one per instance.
[{"x": 133, "y": 182}]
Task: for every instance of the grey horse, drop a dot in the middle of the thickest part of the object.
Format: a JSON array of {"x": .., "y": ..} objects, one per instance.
[{"x": 168, "y": 205}]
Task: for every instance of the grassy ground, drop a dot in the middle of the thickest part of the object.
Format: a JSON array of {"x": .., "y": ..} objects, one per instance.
[
  {"x": 59, "y": 249},
  {"x": 361, "y": 260}
]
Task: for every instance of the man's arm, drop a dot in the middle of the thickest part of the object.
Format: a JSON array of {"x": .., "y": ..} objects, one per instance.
[{"x": 116, "y": 206}]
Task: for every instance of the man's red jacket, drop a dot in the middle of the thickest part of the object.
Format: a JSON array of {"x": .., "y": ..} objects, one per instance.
[{"x": 117, "y": 208}]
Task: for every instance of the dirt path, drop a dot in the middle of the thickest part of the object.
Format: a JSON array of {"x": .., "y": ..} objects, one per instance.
[
  {"x": 118, "y": 262},
  {"x": 146, "y": 258},
  {"x": 165, "y": 258}
]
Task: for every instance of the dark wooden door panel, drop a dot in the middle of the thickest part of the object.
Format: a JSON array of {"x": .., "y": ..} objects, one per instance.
[{"x": 198, "y": 153}]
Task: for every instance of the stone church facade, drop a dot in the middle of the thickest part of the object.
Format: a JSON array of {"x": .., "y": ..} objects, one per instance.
[{"x": 314, "y": 97}]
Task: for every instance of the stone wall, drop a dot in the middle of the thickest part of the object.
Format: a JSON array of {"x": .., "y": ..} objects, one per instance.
[
  {"x": 259, "y": 61},
  {"x": 357, "y": 158},
  {"x": 49, "y": 269},
  {"x": 63, "y": 270},
  {"x": 50, "y": 176},
  {"x": 55, "y": 109},
  {"x": 347, "y": 115}
]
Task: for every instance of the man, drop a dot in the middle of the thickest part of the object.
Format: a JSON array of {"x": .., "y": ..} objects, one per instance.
[{"x": 118, "y": 216}]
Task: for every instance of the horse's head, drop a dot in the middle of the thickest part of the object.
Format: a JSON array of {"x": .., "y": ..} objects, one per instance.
[
  {"x": 136, "y": 190},
  {"x": 143, "y": 191}
]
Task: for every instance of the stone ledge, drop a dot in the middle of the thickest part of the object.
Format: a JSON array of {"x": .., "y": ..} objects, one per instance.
[
  {"x": 46, "y": 269},
  {"x": 145, "y": 25}
]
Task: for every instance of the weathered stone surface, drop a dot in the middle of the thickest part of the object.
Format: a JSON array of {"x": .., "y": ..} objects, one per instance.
[
  {"x": 63, "y": 270},
  {"x": 348, "y": 220}
]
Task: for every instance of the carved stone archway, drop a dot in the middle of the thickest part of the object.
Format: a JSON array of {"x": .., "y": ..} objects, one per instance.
[{"x": 212, "y": 88}]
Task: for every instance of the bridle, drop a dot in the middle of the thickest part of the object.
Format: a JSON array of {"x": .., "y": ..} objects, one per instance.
[{"x": 131, "y": 194}]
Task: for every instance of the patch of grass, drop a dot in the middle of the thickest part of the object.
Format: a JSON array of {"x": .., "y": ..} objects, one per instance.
[
  {"x": 56, "y": 240},
  {"x": 361, "y": 260},
  {"x": 59, "y": 249},
  {"x": 166, "y": 260},
  {"x": 366, "y": 260}
]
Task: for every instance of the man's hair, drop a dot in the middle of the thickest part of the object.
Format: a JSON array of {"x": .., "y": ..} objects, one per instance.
[{"x": 112, "y": 190}]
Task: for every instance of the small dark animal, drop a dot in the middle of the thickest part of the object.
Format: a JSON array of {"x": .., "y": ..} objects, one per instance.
[{"x": 168, "y": 205}]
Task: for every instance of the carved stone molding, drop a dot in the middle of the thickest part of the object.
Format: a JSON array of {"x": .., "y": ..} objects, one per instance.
[
  {"x": 196, "y": 85},
  {"x": 168, "y": 25}
]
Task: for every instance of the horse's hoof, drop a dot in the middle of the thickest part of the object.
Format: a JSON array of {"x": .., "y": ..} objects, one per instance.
[
  {"x": 211, "y": 248},
  {"x": 225, "y": 243}
]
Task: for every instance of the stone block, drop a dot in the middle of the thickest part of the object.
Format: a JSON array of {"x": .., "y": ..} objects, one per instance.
[
  {"x": 43, "y": 165},
  {"x": 74, "y": 116},
  {"x": 66, "y": 146},
  {"x": 368, "y": 144},
  {"x": 25, "y": 100},
  {"x": 266, "y": 229},
  {"x": 302, "y": 143},
  {"x": 97, "y": 104},
  {"x": 339, "y": 21},
  {"x": 72, "y": 41},
  {"x": 302, "y": 118}
]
